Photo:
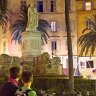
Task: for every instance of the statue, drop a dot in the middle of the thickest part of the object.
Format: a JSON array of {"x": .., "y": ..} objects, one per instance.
[{"x": 32, "y": 17}]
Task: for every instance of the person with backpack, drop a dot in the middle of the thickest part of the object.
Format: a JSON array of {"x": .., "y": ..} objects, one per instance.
[
  {"x": 27, "y": 79},
  {"x": 9, "y": 88}
]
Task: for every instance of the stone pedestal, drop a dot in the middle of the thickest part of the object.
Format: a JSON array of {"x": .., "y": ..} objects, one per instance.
[{"x": 31, "y": 44}]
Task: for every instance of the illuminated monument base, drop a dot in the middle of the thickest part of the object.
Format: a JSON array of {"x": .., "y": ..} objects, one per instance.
[{"x": 31, "y": 44}]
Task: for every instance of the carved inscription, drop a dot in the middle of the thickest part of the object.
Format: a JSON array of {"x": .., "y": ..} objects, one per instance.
[{"x": 35, "y": 44}]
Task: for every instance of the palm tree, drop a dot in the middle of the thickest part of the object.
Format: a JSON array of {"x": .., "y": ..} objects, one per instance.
[
  {"x": 3, "y": 19},
  {"x": 3, "y": 9},
  {"x": 87, "y": 40},
  {"x": 69, "y": 44},
  {"x": 20, "y": 25}
]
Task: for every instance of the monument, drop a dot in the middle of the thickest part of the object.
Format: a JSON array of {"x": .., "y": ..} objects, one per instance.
[
  {"x": 40, "y": 64},
  {"x": 31, "y": 38}
]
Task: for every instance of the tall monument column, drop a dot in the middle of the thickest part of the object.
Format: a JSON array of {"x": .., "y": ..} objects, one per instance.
[{"x": 31, "y": 38}]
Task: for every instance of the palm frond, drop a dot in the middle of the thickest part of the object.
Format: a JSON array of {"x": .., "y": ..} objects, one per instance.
[
  {"x": 17, "y": 28},
  {"x": 84, "y": 30},
  {"x": 3, "y": 19},
  {"x": 44, "y": 37}
]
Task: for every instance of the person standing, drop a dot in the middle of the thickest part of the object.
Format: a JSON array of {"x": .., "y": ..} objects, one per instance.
[
  {"x": 27, "y": 80},
  {"x": 9, "y": 88}
]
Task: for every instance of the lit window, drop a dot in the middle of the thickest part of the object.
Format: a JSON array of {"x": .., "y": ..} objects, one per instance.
[
  {"x": 53, "y": 26},
  {"x": 23, "y": 4},
  {"x": 53, "y": 45},
  {"x": 53, "y": 6},
  {"x": 40, "y": 6},
  {"x": 88, "y": 6},
  {"x": 89, "y": 64}
]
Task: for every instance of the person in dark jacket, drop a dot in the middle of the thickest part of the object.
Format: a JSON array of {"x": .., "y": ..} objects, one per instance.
[{"x": 9, "y": 88}]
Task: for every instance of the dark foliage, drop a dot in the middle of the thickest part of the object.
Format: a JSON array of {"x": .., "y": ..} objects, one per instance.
[
  {"x": 3, "y": 9},
  {"x": 3, "y": 6}
]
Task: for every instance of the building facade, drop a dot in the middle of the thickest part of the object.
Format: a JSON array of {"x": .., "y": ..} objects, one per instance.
[{"x": 85, "y": 8}]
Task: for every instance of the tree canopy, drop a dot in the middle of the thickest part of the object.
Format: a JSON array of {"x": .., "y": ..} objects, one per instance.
[
  {"x": 3, "y": 10},
  {"x": 87, "y": 40}
]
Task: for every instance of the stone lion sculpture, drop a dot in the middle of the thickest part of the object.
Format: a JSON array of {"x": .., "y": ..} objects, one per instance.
[
  {"x": 44, "y": 58},
  {"x": 55, "y": 60}
]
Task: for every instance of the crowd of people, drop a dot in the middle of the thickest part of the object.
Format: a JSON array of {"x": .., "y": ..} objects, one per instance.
[{"x": 12, "y": 88}]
